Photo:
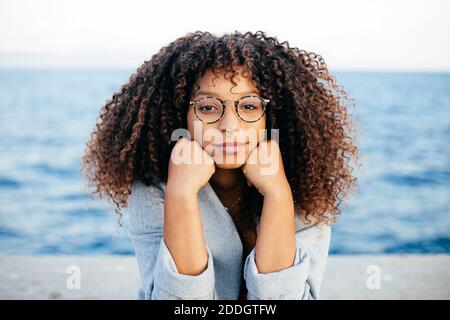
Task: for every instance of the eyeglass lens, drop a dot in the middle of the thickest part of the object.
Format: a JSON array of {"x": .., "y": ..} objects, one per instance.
[{"x": 210, "y": 109}]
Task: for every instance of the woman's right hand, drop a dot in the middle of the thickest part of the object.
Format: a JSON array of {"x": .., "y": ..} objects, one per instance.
[{"x": 190, "y": 167}]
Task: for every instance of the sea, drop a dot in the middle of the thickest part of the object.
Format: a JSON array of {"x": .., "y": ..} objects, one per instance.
[{"x": 401, "y": 204}]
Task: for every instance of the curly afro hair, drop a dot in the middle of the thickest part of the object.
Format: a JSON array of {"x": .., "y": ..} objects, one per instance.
[{"x": 132, "y": 137}]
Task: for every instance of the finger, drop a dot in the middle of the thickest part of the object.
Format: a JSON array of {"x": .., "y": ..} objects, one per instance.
[
  {"x": 211, "y": 150},
  {"x": 210, "y": 153},
  {"x": 252, "y": 155}
]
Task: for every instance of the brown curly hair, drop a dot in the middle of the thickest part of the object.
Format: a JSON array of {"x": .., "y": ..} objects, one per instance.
[{"x": 132, "y": 139}]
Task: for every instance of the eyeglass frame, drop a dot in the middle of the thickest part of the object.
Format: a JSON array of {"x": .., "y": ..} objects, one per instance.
[{"x": 235, "y": 102}]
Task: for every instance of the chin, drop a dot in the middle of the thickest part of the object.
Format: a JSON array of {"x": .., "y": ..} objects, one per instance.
[
  {"x": 229, "y": 166},
  {"x": 228, "y": 161}
]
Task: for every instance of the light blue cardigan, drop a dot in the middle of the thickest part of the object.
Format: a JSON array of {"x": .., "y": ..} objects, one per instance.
[{"x": 222, "y": 278}]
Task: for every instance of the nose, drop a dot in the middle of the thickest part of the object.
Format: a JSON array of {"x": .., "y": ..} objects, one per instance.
[{"x": 230, "y": 121}]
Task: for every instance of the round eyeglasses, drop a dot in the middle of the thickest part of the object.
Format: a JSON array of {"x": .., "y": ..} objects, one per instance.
[{"x": 211, "y": 109}]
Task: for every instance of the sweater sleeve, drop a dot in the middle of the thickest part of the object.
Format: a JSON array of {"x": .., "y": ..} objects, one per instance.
[
  {"x": 160, "y": 279},
  {"x": 301, "y": 281}
]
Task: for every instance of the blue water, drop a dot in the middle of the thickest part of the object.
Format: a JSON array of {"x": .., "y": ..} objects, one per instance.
[{"x": 402, "y": 204}]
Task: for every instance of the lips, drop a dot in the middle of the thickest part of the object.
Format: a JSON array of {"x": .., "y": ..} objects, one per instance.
[{"x": 231, "y": 147}]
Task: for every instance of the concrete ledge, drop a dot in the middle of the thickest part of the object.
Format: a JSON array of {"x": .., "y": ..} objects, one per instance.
[
  {"x": 116, "y": 277},
  {"x": 421, "y": 277}
]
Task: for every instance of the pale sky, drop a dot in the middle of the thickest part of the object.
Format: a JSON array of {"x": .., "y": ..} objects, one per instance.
[{"x": 349, "y": 34}]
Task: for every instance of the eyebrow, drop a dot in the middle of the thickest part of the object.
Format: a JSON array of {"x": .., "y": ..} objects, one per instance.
[{"x": 209, "y": 93}]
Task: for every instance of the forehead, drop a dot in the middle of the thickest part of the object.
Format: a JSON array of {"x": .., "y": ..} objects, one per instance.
[{"x": 218, "y": 85}]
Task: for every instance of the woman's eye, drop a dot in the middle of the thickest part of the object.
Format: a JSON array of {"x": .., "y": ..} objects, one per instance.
[
  {"x": 207, "y": 108},
  {"x": 249, "y": 107}
]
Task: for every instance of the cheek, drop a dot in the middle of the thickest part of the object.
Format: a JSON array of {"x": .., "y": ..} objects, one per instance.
[
  {"x": 193, "y": 125},
  {"x": 199, "y": 131},
  {"x": 260, "y": 127},
  {"x": 190, "y": 122},
  {"x": 262, "y": 123},
  {"x": 254, "y": 133}
]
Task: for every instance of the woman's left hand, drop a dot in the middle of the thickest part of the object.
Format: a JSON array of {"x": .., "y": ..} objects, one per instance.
[{"x": 264, "y": 168}]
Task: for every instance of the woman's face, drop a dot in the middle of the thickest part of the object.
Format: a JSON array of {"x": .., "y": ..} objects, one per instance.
[{"x": 230, "y": 139}]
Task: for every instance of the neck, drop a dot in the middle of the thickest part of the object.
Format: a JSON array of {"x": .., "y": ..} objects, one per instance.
[{"x": 228, "y": 180}]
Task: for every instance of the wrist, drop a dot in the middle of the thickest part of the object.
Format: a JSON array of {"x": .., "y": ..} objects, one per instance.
[
  {"x": 180, "y": 191},
  {"x": 281, "y": 191}
]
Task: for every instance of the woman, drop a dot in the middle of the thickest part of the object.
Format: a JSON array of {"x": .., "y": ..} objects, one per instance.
[{"x": 232, "y": 155}]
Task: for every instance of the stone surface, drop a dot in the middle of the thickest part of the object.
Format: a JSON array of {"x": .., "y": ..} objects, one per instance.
[{"x": 116, "y": 277}]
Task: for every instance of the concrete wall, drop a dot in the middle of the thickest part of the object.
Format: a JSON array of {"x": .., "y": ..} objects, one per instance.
[{"x": 116, "y": 277}]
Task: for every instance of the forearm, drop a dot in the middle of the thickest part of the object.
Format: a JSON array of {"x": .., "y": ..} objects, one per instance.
[
  {"x": 183, "y": 233},
  {"x": 276, "y": 242}
]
